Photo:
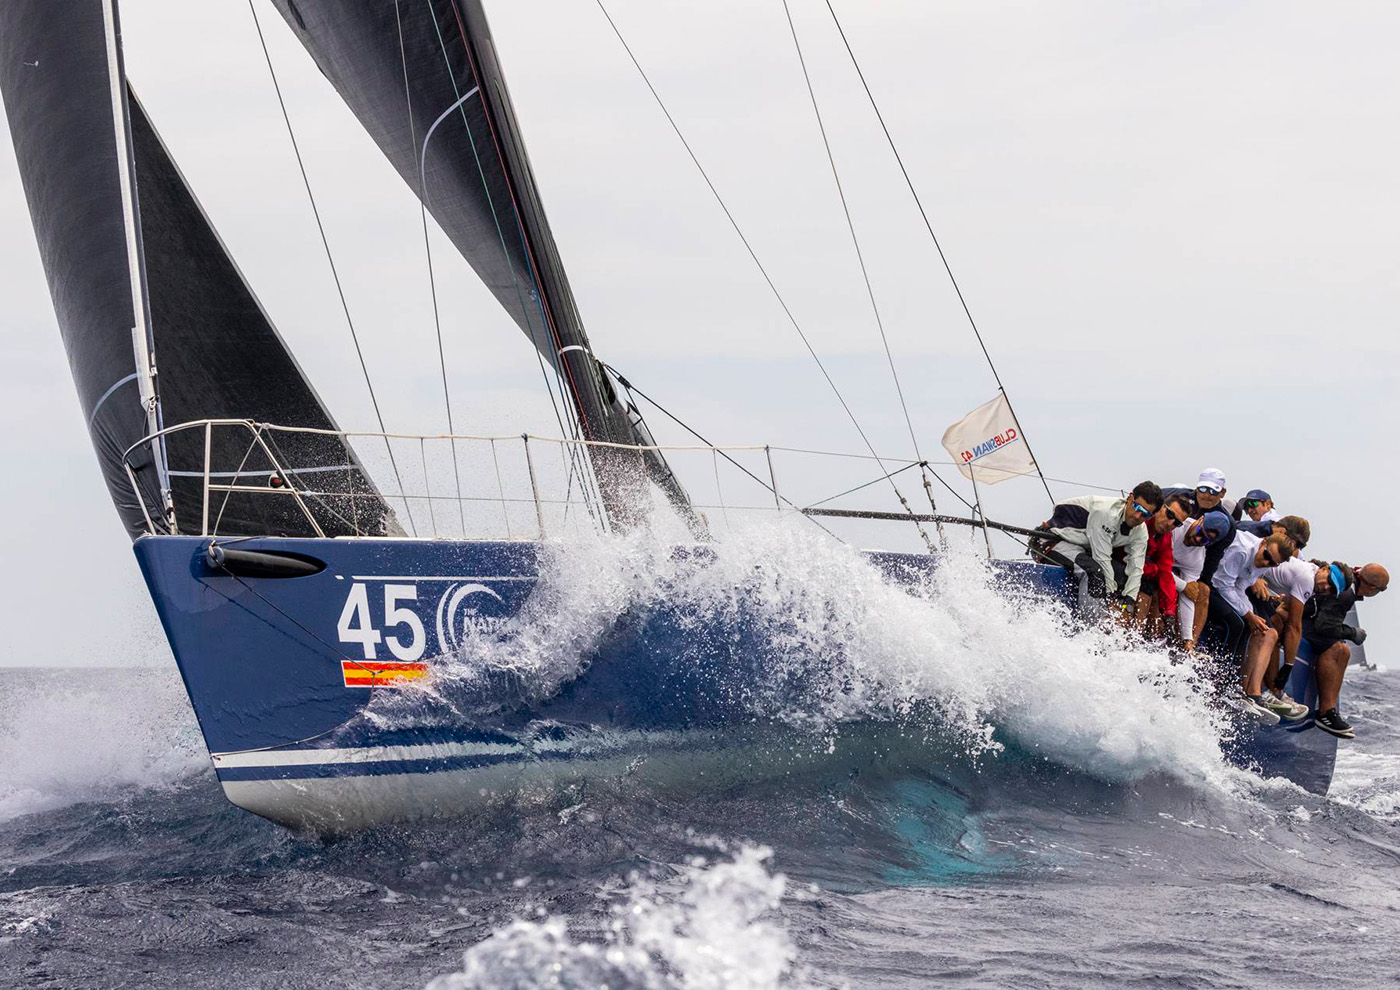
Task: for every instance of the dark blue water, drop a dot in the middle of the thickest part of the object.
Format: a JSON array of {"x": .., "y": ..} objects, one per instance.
[{"x": 122, "y": 866}]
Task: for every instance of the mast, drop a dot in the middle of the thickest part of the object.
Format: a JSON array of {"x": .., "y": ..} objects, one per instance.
[
  {"x": 142, "y": 342},
  {"x": 425, "y": 82}
]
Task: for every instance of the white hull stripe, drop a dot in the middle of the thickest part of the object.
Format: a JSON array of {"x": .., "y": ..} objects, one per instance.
[
  {"x": 430, "y": 751},
  {"x": 367, "y": 754}
]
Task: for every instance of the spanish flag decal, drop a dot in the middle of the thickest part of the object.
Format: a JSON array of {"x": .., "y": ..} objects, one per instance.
[{"x": 379, "y": 674}]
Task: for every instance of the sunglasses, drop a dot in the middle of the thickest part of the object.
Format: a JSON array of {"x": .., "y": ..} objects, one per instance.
[
  {"x": 1175, "y": 519},
  {"x": 1272, "y": 557},
  {"x": 1205, "y": 490},
  {"x": 1142, "y": 510},
  {"x": 1251, "y": 503}
]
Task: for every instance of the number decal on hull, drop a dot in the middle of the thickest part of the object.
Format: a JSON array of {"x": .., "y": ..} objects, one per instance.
[{"x": 355, "y": 625}]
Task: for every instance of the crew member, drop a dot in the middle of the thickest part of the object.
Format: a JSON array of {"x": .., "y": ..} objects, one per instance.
[
  {"x": 1258, "y": 505},
  {"x": 1209, "y": 496},
  {"x": 1082, "y": 534},
  {"x": 1244, "y": 562},
  {"x": 1338, "y": 588},
  {"x": 1189, "y": 545},
  {"x": 1156, "y": 602}
]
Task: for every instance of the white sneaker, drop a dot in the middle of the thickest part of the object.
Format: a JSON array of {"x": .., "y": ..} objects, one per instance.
[
  {"x": 1284, "y": 706},
  {"x": 1257, "y": 710}
]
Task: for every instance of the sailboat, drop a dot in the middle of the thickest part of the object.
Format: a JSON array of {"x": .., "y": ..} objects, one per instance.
[{"x": 294, "y": 592}]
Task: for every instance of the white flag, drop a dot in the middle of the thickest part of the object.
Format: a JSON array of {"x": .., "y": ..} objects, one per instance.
[{"x": 988, "y": 441}]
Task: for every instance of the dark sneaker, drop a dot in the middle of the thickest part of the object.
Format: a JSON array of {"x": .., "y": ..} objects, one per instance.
[{"x": 1332, "y": 721}]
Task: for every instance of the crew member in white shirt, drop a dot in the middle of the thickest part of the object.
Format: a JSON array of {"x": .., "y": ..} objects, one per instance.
[
  {"x": 1082, "y": 534},
  {"x": 1245, "y": 561},
  {"x": 1189, "y": 545},
  {"x": 1290, "y": 585}
]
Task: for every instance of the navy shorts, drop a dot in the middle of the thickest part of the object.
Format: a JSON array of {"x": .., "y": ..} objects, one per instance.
[{"x": 1318, "y": 644}]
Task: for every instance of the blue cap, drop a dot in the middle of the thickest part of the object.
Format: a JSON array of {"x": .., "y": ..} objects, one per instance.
[
  {"x": 1215, "y": 522},
  {"x": 1339, "y": 580},
  {"x": 1257, "y": 495}
]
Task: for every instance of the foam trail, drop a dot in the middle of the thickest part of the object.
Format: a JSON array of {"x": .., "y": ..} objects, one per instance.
[
  {"x": 714, "y": 936},
  {"x": 961, "y": 654},
  {"x": 78, "y": 734}
]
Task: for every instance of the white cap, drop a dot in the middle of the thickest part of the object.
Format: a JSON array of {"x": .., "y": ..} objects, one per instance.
[{"x": 1212, "y": 478}]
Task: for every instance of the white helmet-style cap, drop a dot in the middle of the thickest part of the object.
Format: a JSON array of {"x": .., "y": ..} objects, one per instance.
[{"x": 1212, "y": 478}]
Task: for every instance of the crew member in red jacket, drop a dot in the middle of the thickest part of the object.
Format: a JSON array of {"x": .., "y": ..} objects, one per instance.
[{"x": 1156, "y": 603}]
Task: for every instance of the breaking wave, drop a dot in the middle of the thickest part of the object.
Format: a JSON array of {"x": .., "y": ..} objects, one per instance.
[
  {"x": 716, "y": 932},
  {"x": 792, "y": 626}
]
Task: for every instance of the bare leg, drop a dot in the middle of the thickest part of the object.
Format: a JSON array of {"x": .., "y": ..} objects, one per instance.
[
  {"x": 1278, "y": 624},
  {"x": 1198, "y": 594},
  {"x": 1142, "y": 611},
  {"x": 1331, "y": 666},
  {"x": 1262, "y": 646}
]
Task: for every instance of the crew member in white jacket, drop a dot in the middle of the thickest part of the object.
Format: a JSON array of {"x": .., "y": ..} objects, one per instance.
[
  {"x": 1084, "y": 532},
  {"x": 1245, "y": 561}
]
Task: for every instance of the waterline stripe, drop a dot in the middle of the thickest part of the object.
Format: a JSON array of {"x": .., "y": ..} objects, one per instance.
[{"x": 367, "y": 754}]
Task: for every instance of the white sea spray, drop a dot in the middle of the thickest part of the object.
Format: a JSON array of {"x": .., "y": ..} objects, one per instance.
[
  {"x": 719, "y": 932},
  {"x": 79, "y": 734},
  {"x": 962, "y": 653}
]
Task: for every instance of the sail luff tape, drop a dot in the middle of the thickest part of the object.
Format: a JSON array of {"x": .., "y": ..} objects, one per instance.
[{"x": 572, "y": 347}]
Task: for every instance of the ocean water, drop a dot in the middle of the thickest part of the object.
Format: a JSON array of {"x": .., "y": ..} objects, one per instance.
[{"x": 1055, "y": 813}]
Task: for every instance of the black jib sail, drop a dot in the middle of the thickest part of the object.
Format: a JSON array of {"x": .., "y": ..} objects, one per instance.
[
  {"x": 221, "y": 358},
  {"x": 134, "y": 276},
  {"x": 61, "y": 77},
  {"x": 423, "y": 78}
]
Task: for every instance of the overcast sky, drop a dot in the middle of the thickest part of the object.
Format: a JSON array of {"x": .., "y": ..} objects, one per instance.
[{"x": 1175, "y": 223}]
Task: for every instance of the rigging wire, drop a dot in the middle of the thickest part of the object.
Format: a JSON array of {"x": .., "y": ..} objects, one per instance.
[
  {"x": 865, "y": 275},
  {"x": 573, "y": 427},
  {"x": 865, "y": 484},
  {"x": 330, "y": 259},
  {"x": 747, "y": 246},
  {"x": 967, "y": 311},
  {"x": 432, "y": 281},
  {"x": 632, "y": 389}
]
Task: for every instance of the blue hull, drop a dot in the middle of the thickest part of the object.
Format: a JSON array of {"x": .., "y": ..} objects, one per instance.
[{"x": 298, "y": 685}]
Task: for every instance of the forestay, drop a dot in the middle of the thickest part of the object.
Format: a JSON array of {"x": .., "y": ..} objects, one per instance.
[{"x": 424, "y": 81}]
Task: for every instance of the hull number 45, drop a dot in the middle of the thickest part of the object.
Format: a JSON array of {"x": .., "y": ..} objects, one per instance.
[{"x": 403, "y": 634}]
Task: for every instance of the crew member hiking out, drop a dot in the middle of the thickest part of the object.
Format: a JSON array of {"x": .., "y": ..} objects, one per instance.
[
  {"x": 1209, "y": 496},
  {"x": 1083, "y": 533},
  {"x": 1189, "y": 546},
  {"x": 1156, "y": 603},
  {"x": 1327, "y": 632}
]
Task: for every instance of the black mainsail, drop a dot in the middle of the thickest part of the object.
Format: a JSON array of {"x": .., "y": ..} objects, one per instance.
[
  {"x": 136, "y": 270},
  {"x": 424, "y": 81}
]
